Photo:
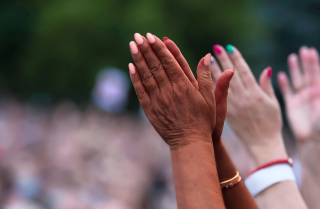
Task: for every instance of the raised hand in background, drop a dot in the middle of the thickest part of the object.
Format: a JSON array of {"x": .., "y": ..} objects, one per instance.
[{"x": 302, "y": 101}]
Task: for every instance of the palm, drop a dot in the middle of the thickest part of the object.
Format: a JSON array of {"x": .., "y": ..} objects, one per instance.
[
  {"x": 303, "y": 111},
  {"x": 303, "y": 100}
]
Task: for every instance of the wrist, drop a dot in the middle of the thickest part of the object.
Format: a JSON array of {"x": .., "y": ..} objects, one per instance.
[
  {"x": 225, "y": 166},
  {"x": 302, "y": 139},
  {"x": 309, "y": 141},
  {"x": 195, "y": 173},
  {"x": 190, "y": 140},
  {"x": 264, "y": 153},
  {"x": 309, "y": 152}
]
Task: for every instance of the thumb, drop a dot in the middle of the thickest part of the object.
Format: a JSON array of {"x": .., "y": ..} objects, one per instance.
[
  {"x": 266, "y": 83},
  {"x": 221, "y": 94},
  {"x": 204, "y": 78}
]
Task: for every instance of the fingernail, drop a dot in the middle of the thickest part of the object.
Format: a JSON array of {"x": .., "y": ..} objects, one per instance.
[
  {"x": 151, "y": 38},
  {"x": 304, "y": 50},
  {"x": 212, "y": 60},
  {"x": 269, "y": 72},
  {"x": 207, "y": 60},
  {"x": 138, "y": 38},
  {"x": 229, "y": 48},
  {"x": 292, "y": 57},
  {"x": 133, "y": 47},
  {"x": 164, "y": 39},
  {"x": 217, "y": 49},
  {"x": 132, "y": 69}
]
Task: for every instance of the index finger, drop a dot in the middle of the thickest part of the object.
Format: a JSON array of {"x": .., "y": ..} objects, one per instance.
[
  {"x": 169, "y": 63},
  {"x": 175, "y": 51},
  {"x": 245, "y": 73}
]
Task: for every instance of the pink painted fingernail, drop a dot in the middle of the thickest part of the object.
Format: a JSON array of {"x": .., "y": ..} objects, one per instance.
[
  {"x": 292, "y": 57},
  {"x": 217, "y": 49},
  {"x": 207, "y": 60},
  {"x": 132, "y": 69},
  {"x": 304, "y": 51},
  {"x": 138, "y": 38},
  {"x": 133, "y": 47},
  {"x": 269, "y": 69},
  {"x": 151, "y": 38}
]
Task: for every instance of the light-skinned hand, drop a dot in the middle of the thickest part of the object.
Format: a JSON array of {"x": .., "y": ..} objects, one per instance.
[
  {"x": 302, "y": 100},
  {"x": 253, "y": 110}
]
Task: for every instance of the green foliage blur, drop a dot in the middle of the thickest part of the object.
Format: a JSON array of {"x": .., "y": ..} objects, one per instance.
[{"x": 56, "y": 47}]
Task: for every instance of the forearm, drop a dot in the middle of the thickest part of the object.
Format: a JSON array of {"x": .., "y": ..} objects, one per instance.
[
  {"x": 309, "y": 154},
  {"x": 310, "y": 190},
  {"x": 284, "y": 194},
  {"x": 238, "y": 196},
  {"x": 310, "y": 186},
  {"x": 267, "y": 152},
  {"x": 196, "y": 178}
]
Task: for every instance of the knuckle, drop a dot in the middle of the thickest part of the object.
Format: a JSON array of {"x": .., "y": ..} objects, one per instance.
[
  {"x": 155, "y": 67},
  {"x": 141, "y": 94},
  {"x": 168, "y": 63},
  {"x": 147, "y": 77},
  {"x": 206, "y": 73}
]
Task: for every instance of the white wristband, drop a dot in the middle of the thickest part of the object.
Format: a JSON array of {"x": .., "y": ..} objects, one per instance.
[{"x": 266, "y": 177}]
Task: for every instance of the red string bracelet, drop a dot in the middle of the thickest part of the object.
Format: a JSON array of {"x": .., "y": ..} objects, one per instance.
[{"x": 275, "y": 162}]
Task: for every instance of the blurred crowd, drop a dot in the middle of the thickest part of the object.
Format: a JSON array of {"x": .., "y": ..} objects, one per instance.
[{"x": 64, "y": 158}]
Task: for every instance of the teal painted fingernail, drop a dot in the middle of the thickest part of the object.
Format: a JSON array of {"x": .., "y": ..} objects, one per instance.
[{"x": 229, "y": 48}]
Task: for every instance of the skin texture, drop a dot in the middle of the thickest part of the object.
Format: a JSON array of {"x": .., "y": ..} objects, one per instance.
[
  {"x": 238, "y": 196},
  {"x": 183, "y": 115},
  {"x": 174, "y": 107},
  {"x": 255, "y": 118},
  {"x": 302, "y": 102}
]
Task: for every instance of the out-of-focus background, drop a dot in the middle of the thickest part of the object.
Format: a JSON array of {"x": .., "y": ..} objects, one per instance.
[{"x": 72, "y": 133}]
